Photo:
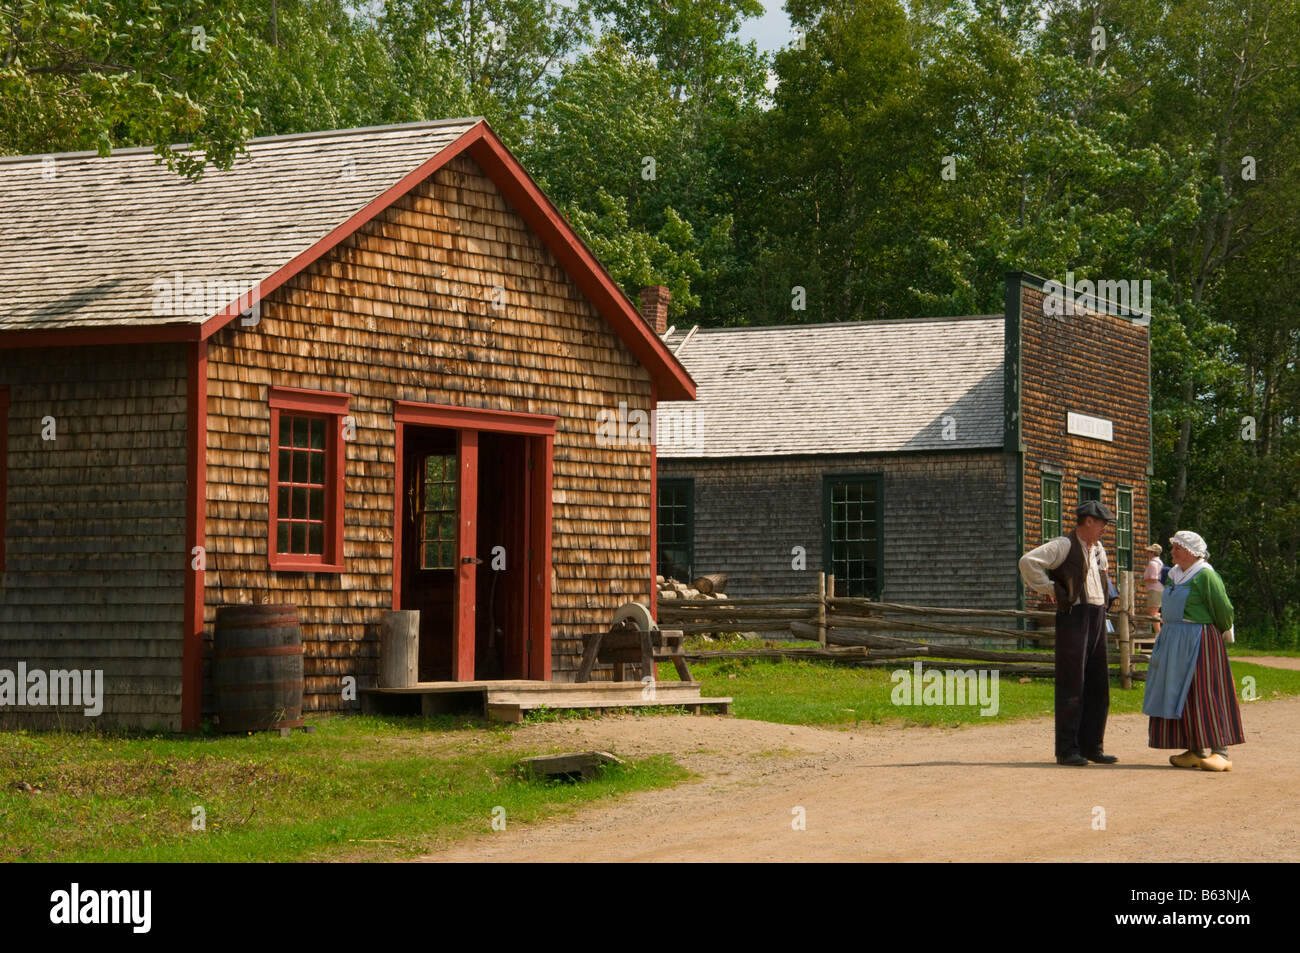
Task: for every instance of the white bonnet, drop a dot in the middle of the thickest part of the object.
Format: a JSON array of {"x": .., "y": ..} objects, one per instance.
[{"x": 1191, "y": 542}]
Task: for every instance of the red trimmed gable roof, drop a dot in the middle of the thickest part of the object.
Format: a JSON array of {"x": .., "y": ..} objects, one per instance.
[{"x": 102, "y": 292}]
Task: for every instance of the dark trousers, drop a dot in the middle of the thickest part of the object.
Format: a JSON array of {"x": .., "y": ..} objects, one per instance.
[{"x": 1082, "y": 680}]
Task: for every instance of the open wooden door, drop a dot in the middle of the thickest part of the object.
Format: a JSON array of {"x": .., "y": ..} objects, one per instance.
[{"x": 472, "y": 540}]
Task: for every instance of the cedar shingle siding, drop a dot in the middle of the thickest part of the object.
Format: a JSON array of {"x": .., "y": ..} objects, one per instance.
[
  {"x": 1113, "y": 385},
  {"x": 939, "y": 510},
  {"x": 960, "y": 416},
  {"x": 96, "y": 531},
  {"x": 405, "y": 263},
  {"x": 403, "y": 311}
]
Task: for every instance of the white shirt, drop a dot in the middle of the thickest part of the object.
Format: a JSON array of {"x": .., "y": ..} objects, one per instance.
[
  {"x": 1177, "y": 576},
  {"x": 1035, "y": 563}
]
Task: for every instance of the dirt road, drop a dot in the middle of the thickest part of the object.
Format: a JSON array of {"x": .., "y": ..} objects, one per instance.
[{"x": 984, "y": 792}]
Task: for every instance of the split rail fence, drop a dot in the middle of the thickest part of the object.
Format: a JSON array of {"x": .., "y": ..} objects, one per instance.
[{"x": 865, "y": 632}]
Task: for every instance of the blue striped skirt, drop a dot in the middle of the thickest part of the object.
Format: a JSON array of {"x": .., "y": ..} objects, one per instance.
[{"x": 1211, "y": 715}]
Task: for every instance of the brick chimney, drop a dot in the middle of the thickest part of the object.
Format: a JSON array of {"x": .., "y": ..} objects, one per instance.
[{"x": 654, "y": 307}]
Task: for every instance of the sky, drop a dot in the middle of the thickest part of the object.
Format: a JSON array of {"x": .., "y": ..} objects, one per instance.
[{"x": 771, "y": 30}]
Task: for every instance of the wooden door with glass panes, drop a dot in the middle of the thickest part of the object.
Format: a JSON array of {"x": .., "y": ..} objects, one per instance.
[{"x": 429, "y": 562}]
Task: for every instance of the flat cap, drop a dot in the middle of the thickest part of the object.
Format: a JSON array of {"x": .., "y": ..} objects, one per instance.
[{"x": 1094, "y": 508}]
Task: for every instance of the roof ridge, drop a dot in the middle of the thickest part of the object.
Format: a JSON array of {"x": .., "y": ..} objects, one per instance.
[
  {"x": 285, "y": 137},
  {"x": 872, "y": 322}
]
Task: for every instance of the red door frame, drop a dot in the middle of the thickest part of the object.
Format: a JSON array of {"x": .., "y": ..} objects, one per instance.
[{"x": 539, "y": 430}]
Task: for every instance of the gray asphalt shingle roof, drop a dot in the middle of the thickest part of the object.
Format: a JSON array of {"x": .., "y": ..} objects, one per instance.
[
  {"x": 861, "y": 387},
  {"x": 84, "y": 247}
]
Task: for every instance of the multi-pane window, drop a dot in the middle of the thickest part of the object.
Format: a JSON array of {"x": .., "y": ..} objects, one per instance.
[
  {"x": 436, "y": 512},
  {"x": 300, "y": 486},
  {"x": 853, "y": 542},
  {"x": 1089, "y": 490},
  {"x": 1051, "y": 506},
  {"x": 676, "y": 528},
  {"x": 305, "y": 518},
  {"x": 1124, "y": 530}
]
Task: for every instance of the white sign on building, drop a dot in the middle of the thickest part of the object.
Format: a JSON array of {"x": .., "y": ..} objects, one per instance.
[{"x": 1085, "y": 426}]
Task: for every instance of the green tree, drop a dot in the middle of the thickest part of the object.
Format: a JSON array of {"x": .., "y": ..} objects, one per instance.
[
  {"x": 97, "y": 74},
  {"x": 504, "y": 51},
  {"x": 325, "y": 64}
]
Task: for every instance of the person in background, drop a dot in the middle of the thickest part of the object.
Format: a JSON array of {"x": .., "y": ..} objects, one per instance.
[
  {"x": 1190, "y": 695},
  {"x": 1071, "y": 571},
  {"x": 1154, "y": 585}
]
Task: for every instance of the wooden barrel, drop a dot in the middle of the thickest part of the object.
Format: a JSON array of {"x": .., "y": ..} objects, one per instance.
[{"x": 257, "y": 667}]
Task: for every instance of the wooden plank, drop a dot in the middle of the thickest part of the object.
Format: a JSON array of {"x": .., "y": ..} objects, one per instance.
[
  {"x": 511, "y": 714},
  {"x": 663, "y": 695},
  {"x": 585, "y": 764}
]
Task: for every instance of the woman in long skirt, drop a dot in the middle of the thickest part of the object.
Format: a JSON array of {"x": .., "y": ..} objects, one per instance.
[{"x": 1190, "y": 694}]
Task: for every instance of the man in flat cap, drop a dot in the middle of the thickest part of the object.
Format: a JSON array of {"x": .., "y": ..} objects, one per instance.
[{"x": 1071, "y": 571}]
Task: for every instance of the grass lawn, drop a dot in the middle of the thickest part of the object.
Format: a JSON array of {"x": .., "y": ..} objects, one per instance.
[
  {"x": 360, "y": 788},
  {"x": 820, "y": 693}
]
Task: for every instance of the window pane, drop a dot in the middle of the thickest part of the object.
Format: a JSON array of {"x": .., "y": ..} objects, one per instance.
[
  {"x": 1051, "y": 503},
  {"x": 1124, "y": 529},
  {"x": 675, "y": 531},
  {"x": 300, "y": 496},
  {"x": 853, "y": 514}
]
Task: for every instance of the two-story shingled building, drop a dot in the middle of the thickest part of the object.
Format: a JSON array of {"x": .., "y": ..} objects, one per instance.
[{"x": 913, "y": 459}]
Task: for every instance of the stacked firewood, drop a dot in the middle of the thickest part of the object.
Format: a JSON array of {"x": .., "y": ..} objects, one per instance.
[{"x": 708, "y": 586}]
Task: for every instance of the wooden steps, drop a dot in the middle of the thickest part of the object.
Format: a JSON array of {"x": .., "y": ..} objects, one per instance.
[{"x": 509, "y": 700}]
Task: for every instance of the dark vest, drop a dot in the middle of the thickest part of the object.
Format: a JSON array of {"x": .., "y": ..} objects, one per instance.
[{"x": 1069, "y": 577}]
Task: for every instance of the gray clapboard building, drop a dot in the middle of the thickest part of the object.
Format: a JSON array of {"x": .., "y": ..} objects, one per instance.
[{"x": 871, "y": 450}]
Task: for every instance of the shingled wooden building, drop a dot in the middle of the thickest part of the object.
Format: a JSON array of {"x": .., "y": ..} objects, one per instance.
[
  {"x": 913, "y": 459},
  {"x": 338, "y": 375}
]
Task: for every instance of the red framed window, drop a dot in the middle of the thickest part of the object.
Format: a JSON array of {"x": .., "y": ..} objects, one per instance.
[
  {"x": 4, "y": 469},
  {"x": 305, "y": 532}
]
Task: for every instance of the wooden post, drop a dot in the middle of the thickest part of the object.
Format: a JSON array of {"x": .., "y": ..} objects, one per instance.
[
  {"x": 1124, "y": 631},
  {"x": 821, "y": 608},
  {"x": 399, "y": 648}
]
